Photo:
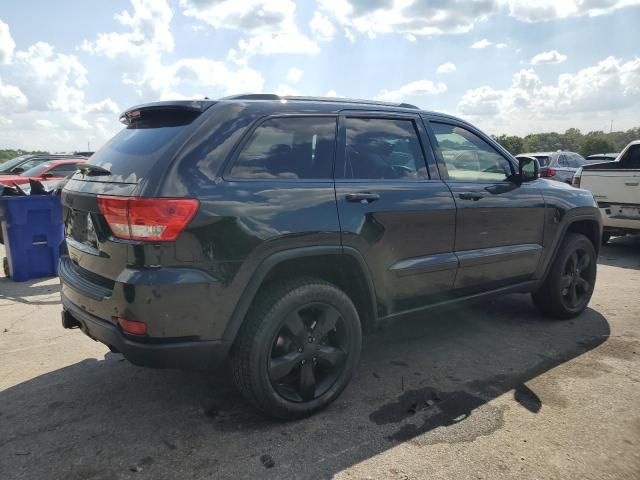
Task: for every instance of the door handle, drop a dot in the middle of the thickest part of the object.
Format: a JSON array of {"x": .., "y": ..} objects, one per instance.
[
  {"x": 362, "y": 197},
  {"x": 631, "y": 184},
  {"x": 475, "y": 196}
]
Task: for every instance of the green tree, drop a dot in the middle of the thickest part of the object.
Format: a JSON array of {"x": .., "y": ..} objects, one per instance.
[
  {"x": 512, "y": 143},
  {"x": 596, "y": 144}
]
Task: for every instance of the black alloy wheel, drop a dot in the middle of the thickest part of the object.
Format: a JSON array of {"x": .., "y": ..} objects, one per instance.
[
  {"x": 298, "y": 347},
  {"x": 577, "y": 279},
  {"x": 308, "y": 353},
  {"x": 569, "y": 284}
]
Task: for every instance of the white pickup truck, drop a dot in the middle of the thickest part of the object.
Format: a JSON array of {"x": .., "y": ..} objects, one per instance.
[{"x": 616, "y": 187}]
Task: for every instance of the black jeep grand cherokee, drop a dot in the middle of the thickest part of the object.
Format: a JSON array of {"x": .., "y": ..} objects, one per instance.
[{"x": 273, "y": 230}]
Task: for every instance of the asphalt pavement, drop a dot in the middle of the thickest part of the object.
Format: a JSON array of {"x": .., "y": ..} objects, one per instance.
[{"x": 485, "y": 391}]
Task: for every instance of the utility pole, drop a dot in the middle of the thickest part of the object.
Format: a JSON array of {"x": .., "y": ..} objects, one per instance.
[
  {"x": 611, "y": 127},
  {"x": 88, "y": 146}
]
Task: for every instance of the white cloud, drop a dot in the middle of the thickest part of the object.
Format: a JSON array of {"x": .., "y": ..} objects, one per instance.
[
  {"x": 106, "y": 107},
  {"x": 321, "y": 27},
  {"x": 11, "y": 98},
  {"x": 414, "y": 89},
  {"x": 550, "y": 57},
  {"x": 269, "y": 24},
  {"x": 501, "y": 45},
  {"x": 145, "y": 70},
  {"x": 7, "y": 45},
  {"x": 416, "y": 18},
  {"x": 286, "y": 90},
  {"x": 270, "y": 44},
  {"x": 446, "y": 68},
  {"x": 609, "y": 88},
  {"x": 51, "y": 81},
  {"x": 207, "y": 74},
  {"x": 375, "y": 17},
  {"x": 45, "y": 96},
  {"x": 46, "y": 124},
  {"x": 294, "y": 75},
  {"x": 149, "y": 31},
  {"x": 484, "y": 43},
  {"x": 547, "y": 10}
]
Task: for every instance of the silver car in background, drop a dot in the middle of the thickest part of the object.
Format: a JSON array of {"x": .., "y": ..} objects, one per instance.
[{"x": 560, "y": 166}]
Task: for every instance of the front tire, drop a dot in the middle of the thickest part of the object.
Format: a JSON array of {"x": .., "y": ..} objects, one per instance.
[
  {"x": 569, "y": 285},
  {"x": 297, "y": 349}
]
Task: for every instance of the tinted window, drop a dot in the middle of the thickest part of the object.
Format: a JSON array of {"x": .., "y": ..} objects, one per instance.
[
  {"x": 468, "y": 157},
  {"x": 64, "y": 170},
  {"x": 562, "y": 161},
  {"x": 631, "y": 158},
  {"x": 579, "y": 160},
  {"x": 543, "y": 160},
  {"x": 300, "y": 147},
  {"x": 150, "y": 136},
  {"x": 14, "y": 162},
  {"x": 130, "y": 155},
  {"x": 37, "y": 170},
  {"x": 383, "y": 149}
]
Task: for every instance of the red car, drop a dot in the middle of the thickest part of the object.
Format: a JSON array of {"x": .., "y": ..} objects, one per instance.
[{"x": 54, "y": 170}]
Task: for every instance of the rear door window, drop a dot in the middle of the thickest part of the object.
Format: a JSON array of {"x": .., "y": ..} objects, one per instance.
[
  {"x": 380, "y": 148},
  {"x": 288, "y": 148}
]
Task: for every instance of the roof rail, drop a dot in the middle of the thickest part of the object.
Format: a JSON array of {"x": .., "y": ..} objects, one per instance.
[
  {"x": 253, "y": 96},
  {"x": 272, "y": 96}
]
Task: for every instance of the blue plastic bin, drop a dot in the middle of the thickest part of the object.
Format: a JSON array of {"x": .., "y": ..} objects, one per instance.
[{"x": 32, "y": 229}]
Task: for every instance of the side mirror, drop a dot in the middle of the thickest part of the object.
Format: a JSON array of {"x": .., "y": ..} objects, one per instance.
[
  {"x": 528, "y": 169},
  {"x": 17, "y": 170}
]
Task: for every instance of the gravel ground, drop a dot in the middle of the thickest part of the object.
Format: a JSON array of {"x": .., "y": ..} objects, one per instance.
[{"x": 486, "y": 391}]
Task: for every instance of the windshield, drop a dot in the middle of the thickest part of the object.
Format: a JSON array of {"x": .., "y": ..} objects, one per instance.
[
  {"x": 37, "y": 170},
  {"x": 7, "y": 166}
]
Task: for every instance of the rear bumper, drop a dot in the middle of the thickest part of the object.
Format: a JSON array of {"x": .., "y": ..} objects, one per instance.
[
  {"x": 620, "y": 217},
  {"x": 189, "y": 355}
]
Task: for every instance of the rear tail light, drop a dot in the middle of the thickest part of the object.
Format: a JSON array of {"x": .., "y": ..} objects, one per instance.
[
  {"x": 575, "y": 181},
  {"x": 130, "y": 326},
  {"x": 152, "y": 219},
  {"x": 548, "y": 172}
]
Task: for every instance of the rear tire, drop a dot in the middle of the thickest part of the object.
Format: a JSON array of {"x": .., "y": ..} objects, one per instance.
[
  {"x": 569, "y": 285},
  {"x": 297, "y": 349}
]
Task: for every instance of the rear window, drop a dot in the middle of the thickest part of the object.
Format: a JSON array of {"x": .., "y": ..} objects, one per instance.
[
  {"x": 37, "y": 170},
  {"x": 9, "y": 164},
  {"x": 133, "y": 152},
  {"x": 543, "y": 161},
  {"x": 631, "y": 158}
]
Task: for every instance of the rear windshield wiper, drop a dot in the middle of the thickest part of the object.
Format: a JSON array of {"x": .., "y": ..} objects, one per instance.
[{"x": 93, "y": 170}]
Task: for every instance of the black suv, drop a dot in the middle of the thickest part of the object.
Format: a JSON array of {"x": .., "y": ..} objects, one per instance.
[{"x": 274, "y": 230}]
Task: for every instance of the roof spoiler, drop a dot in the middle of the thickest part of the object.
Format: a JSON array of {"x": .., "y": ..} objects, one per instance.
[{"x": 195, "y": 106}]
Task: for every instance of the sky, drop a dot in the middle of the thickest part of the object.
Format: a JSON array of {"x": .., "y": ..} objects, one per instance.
[{"x": 68, "y": 68}]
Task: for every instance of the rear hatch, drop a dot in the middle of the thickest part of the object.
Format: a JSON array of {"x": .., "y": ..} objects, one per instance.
[{"x": 108, "y": 225}]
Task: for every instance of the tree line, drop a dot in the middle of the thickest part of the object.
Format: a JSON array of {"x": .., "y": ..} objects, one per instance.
[
  {"x": 8, "y": 154},
  {"x": 572, "y": 140}
]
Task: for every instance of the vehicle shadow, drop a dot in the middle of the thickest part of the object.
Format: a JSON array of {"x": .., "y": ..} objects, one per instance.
[
  {"x": 623, "y": 252},
  {"x": 427, "y": 379},
  {"x": 41, "y": 291}
]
